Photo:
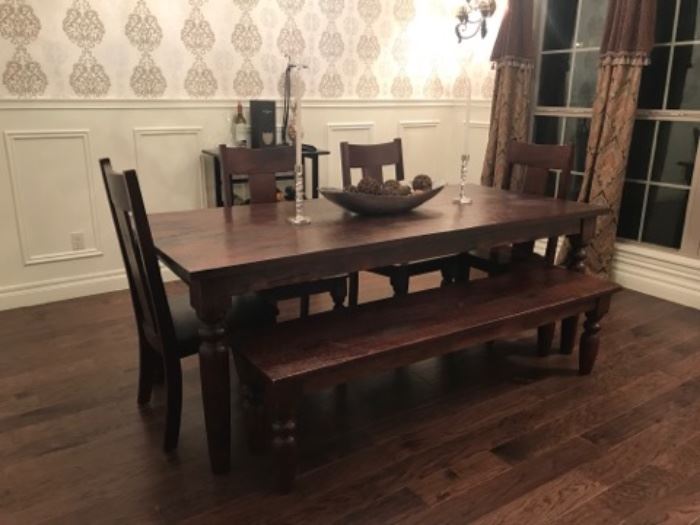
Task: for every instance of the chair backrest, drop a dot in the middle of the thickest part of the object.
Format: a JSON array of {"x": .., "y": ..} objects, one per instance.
[
  {"x": 371, "y": 158},
  {"x": 536, "y": 161},
  {"x": 260, "y": 165},
  {"x": 145, "y": 282}
]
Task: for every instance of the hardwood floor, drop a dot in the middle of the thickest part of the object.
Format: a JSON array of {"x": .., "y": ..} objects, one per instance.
[{"x": 487, "y": 436}]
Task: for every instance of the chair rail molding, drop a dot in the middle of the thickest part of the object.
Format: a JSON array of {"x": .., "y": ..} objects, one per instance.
[{"x": 19, "y": 182}]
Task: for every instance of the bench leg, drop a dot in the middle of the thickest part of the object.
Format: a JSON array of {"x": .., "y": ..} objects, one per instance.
[
  {"x": 283, "y": 405},
  {"x": 252, "y": 401},
  {"x": 569, "y": 330},
  {"x": 545, "y": 336},
  {"x": 590, "y": 338}
]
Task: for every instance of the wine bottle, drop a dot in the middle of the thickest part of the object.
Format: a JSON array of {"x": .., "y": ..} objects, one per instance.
[{"x": 240, "y": 127}]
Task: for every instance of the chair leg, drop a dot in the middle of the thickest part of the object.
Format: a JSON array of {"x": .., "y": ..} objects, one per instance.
[
  {"x": 304, "y": 305},
  {"x": 463, "y": 268},
  {"x": 399, "y": 282},
  {"x": 569, "y": 329},
  {"x": 353, "y": 288},
  {"x": 147, "y": 372},
  {"x": 590, "y": 341},
  {"x": 545, "y": 336},
  {"x": 447, "y": 276},
  {"x": 338, "y": 293},
  {"x": 283, "y": 406},
  {"x": 173, "y": 413}
]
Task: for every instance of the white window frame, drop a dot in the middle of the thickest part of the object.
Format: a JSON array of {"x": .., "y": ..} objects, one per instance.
[{"x": 690, "y": 243}]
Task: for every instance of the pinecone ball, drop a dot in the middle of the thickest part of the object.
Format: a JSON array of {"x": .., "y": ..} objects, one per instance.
[
  {"x": 404, "y": 190},
  {"x": 370, "y": 186},
  {"x": 422, "y": 183},
  {"x": 391, "y": 187},
  {"x": 351, "y": 188}
]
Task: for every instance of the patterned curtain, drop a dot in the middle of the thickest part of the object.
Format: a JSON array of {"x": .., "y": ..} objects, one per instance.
[
  {"x": 512, "y": 59},
  {"x": 627, "y": 41}
]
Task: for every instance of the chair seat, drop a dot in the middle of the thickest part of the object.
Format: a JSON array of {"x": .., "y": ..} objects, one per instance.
[{"x": 246, "y": 312}]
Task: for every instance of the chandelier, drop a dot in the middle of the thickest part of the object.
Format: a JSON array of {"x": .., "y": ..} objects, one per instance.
[{"x": 472, "y": 18}]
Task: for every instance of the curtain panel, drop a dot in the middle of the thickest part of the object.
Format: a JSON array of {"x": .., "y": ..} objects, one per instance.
[
  {"x": 513, "y": 60},
  {"x": 627, "y": 42}
]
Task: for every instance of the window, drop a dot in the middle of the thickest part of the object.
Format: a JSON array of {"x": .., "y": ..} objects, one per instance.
[{"x": 660, "y": 194}]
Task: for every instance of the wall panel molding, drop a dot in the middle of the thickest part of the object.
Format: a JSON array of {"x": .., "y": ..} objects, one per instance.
[
  {"x": 20, "y": 185},
  {"x": 142, "y": 156}
]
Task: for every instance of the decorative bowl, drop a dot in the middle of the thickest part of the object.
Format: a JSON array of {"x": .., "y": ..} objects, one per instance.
[{"x": 367, "y": 204}]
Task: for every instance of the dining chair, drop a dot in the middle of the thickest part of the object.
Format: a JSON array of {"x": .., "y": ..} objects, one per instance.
[
  {"x": 371, "y": 159},
  {"x": 167, "y": 325},
  {"x": 261, "y": 166},
  {"x": 536, "y": 163}
]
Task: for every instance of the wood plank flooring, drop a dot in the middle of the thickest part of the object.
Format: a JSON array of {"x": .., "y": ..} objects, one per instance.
[{"x": 487, "y": 436}]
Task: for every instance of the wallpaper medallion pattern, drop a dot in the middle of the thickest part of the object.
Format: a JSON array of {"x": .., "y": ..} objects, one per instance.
[
  {"x": 23, "y": 76},
  {"x": 404, "y": 11},
  {"x": 238, "y": 49},
  {"x": 291, "y": 43},
  {"x": 368, "y": 48},
  {"x": 247, "y": 41},
  {"x": 198, "y": 38},
  {"x": 83, "y": 27},
  {"x": 145, "y": 34},
  {"x": 331, "y": 47}
]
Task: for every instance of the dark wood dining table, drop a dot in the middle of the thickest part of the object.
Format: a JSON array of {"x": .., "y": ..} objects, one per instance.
[{"x": 221, "y": 252}]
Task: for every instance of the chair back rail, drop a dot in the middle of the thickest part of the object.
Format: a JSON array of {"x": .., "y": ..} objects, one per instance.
[
  {"x": 371, "y": 158},
  {"x": 145, "y": 282},
  {"x": 536, "y": 161},
  {"x": 260, "y": 165}
]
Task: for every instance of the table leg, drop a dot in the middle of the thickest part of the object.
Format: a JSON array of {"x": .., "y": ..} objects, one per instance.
[
  {"x": 577, "y": 263},
  {"x": 214, "y": 374}
]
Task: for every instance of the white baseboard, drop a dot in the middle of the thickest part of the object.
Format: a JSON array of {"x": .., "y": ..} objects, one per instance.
[
  {"x": 52, "y": 290},
  {"x": 654, "y": 271},
  {"x": 658, "y": 273}
]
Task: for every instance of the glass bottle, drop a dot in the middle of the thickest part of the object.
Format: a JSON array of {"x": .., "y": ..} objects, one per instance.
[{"x": 240, "y": 128}]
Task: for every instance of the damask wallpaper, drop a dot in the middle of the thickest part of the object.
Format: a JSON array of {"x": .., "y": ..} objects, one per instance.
[{"x": 220, "y": 49}]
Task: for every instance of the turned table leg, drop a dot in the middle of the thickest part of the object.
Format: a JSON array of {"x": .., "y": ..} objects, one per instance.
[
  {"x": 577, "y": 263},
  {"x": 214, "y": 374}
]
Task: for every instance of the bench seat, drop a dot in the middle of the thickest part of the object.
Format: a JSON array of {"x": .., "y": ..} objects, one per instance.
[{"x": 323, "y": 350}]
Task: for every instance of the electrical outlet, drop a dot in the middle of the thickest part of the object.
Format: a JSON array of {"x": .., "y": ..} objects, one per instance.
[{"x": 77, "y": 241}]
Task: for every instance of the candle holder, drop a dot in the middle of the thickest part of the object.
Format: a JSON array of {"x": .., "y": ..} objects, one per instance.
[
  {"x": 299, "y": 217},
  {"x": 463, "y": 199}
]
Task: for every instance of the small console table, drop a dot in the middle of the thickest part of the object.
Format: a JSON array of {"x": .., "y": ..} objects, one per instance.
[{"x": 313, "y": 156}]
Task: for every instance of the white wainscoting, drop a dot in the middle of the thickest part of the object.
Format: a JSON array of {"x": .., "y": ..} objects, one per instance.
[
  {"x": 352, "y": 132},
  {"x": 51, "y": 186},
  {"x": 169, "y": 165},
  {"x": 423, "y": 147},
  {"x": 40, "y": 164}
]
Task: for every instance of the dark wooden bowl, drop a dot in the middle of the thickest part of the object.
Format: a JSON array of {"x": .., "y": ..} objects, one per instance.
[{"x": 366, "y": 204}]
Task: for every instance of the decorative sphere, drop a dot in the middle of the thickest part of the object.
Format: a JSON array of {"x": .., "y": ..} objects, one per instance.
[
  {"x": 370, "y": 186},
  {"x": 422, "y": 183}
]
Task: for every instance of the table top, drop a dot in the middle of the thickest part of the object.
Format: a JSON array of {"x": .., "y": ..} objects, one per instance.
[{"x": 257, "y": 242}]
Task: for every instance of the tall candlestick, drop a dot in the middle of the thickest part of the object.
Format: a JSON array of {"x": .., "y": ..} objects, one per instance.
[
  {"x": 463, "y": 199},
  {"x": 299, "y": 217}
]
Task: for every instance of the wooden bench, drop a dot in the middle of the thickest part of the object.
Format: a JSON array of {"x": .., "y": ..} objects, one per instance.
[{"x": 294, "y": 357}]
